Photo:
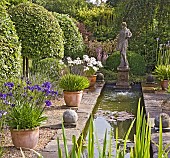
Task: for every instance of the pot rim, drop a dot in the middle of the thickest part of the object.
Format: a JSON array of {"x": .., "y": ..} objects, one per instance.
[
  {"x": 28, "y": 129},
  {"x": 72, "y": 91}
]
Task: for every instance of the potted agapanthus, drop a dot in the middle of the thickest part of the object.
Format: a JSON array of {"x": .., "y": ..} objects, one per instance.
[
  {"x": 88, "y": 67},
  {"x": 26, "y": 104}
]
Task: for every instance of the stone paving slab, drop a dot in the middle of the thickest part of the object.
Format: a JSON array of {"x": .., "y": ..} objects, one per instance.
[{"x": 154, "y": 106}]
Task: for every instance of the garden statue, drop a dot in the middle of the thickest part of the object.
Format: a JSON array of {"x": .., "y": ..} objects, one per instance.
[
  {"x": 123, "y": 68},
  {"x": 123, "y": 44}
]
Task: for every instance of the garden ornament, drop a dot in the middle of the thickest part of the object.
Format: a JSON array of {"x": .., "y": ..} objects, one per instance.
[{"x": 122, "y": 44}]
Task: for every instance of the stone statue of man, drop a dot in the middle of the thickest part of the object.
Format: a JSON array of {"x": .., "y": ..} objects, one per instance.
[{"x": 122, "y": 45}]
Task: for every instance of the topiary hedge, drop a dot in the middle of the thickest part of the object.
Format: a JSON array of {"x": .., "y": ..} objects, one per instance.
[
  {"x": 136, "y": 62},
  {"x": 10, "y": 49},
  {"x": 74, "y": 45},
  {"x": 38, "y": 30},
  {"x": 50, "y": 68}
]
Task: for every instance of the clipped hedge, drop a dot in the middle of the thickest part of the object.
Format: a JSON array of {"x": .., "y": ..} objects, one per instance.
[
  {"x": 74, "y": 46},
  {"x": 136, "y": 62},
  {"x": 10, "y": 49},
  {"x": 38, "y": 30},
  {"x": 16, "y": 2},
  {"x": 50, "y": 68}
]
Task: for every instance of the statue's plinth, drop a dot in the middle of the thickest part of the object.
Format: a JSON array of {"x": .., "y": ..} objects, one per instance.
[{"x": 123, "y": 77}]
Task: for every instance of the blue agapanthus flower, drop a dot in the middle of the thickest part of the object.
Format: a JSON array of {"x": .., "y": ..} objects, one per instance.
[
  {"x": 9, "y": 84},
  {"x": 46, "y": 85},
  {"x": 3, "y": 96},
  {"x": 48, "y": 103}
]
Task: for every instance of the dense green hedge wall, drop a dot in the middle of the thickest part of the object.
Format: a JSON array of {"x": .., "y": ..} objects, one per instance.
[
  {"x": 38, "y": 30},
  {"x": 50, "y": 68},
  {"x": 10, "y": 49},
  {"x": 74, "y": 45},
  {"x": 69, "y": 7},
  {"x": 136, "y": 62},
  {"x": 16, "y": 2}
]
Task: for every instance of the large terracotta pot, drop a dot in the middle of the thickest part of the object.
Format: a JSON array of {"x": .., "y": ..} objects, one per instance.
[
  {"x": 164, "y": 84},
  {"x": 25, "y": 138},
  {"x": 73, "y": 98},
  {"x": 92, "y": 80}
]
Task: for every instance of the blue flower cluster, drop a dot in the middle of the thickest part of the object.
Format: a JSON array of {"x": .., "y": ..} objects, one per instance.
[
  {"x": 32, "y": 94},
  {"x": 45, "y": 87}
]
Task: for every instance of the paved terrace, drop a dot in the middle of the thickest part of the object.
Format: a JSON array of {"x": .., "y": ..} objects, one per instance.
[
  {"x": 84, "y": 111},
  {"x": 154, "y": 105}
]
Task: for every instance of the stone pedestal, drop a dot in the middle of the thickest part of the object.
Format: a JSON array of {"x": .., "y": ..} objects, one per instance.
[{"x": 123, "y": 77}]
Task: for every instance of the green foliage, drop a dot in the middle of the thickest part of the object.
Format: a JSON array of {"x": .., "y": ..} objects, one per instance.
[
  {"x": 99, "y": 20},
  {"x": 38, "y": 30},
  {"x": 10, "y": 49},
  {"x": 62, "y": 6},
  {"x": 147, "y": 21},
  {"x": 162, "y": 72},
  {"x": 16, "y": 2},
  {"x": 73, "y": 45},
  {"x": 143, "y": 135},
  {"x": 50, "y": 68},
  {"x": 108, "y": 74},
  {"x": 25, "y": 116},
  {"x": 25, "y": 103},
  {"x": 70, "y": 82},
  {"x": 136, "y": 62},
  {"x": 163, "y": 54}
]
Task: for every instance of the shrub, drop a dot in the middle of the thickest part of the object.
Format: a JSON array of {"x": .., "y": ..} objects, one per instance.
[
  {"x": 38, "y": 30},
  {"x": 49, "y": 67},
  {"x": 74, "y": 45},
  {"x": 70, "y": 82},
  {"x": 136, "y": 62},
  {"x": 16, "y": 2},
  {"x": 10, "y": 49},
  {"x": 62, "y": 6}
]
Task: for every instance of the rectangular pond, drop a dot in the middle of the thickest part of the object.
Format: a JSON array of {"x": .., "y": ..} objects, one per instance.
[{"x": 116, "y": 109}]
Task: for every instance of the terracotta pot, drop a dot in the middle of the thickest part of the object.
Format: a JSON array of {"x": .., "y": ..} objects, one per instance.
[
  {"x": 92, "y": 80},
  {"x": 164, "y": 84},
  {"x": 25, "y": 138},
  {"x": 73, "y": 98}
]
